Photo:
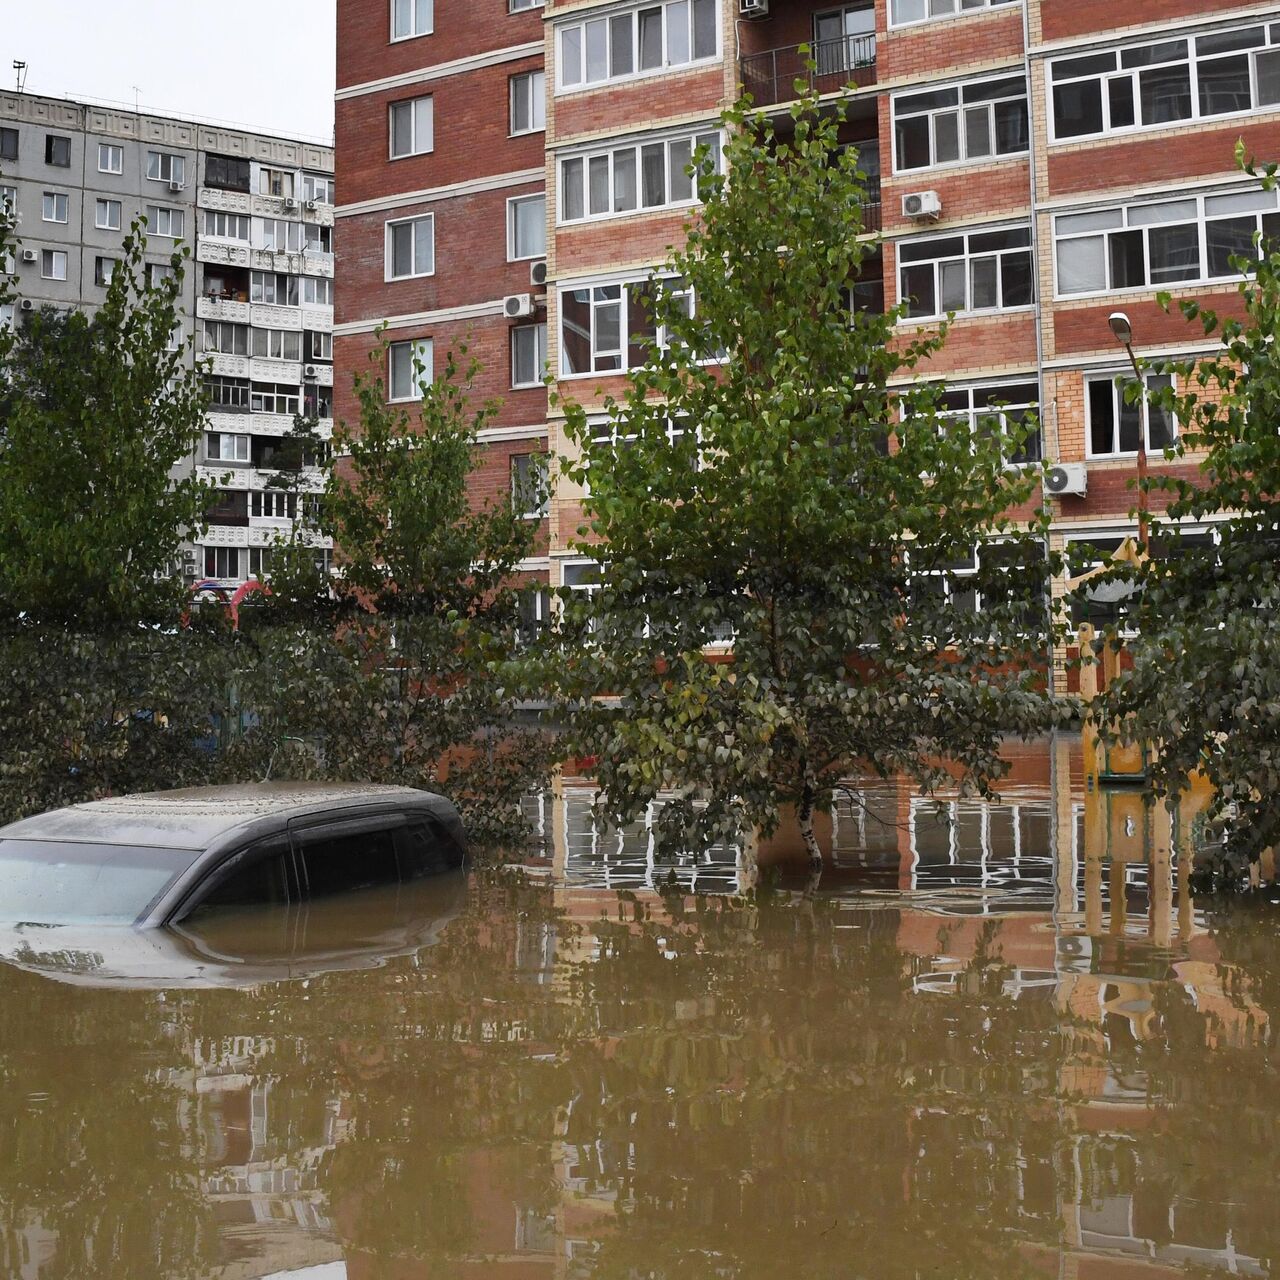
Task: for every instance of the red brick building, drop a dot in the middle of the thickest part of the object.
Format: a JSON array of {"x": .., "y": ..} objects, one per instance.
[{"x": 510, "y": 170}]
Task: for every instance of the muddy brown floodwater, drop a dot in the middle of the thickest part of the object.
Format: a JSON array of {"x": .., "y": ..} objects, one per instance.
[{"x": 999, "y": 1041}]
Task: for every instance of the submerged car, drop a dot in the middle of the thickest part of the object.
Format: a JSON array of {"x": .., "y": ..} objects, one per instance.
[{"x": 172, "y": 858}]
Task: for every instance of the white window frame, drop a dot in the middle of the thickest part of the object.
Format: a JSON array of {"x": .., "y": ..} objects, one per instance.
[
  {"x": 1270, "y": 44},
  {"x": 261, "y": 278},
  {"x": 537, "y": 461},
  {"x": 269, "y": 177},
  {"x": 1130, "y": 217},
  {"x": 228, "y": 556},
  {"x": 8, "y": 198},
  {"x": 512, "y": 202},
  {"x": 523, "y": 6},
  {"x": 318, "y": 187},
  {"x": 169, "y": 216},
  {"x": 213, "y": 336},
  {"x": 631, "y": 13},
  {"x": 415, "y": 147},
  {"x": 213, "y": 218},
  {"x": 110, "y": 151},
  {"x": 269, "y": 228},
  {"x": 310, "y": 284},
  {"x": 962, "y": 110},
  {"x": 104, "y": 277},
  {"x": 167, "y": 160},
  {"x": 241, "y": 447},
  {"x": 539, "y": 332},
  {"x": 415, "y": 6},
  {"x": 584, "y": 160},
  {"x": 533, "y": 85},
  {"x": 1118, "y": 405},
  {"x": 51, "y": 202},
  {"x": 424, "y": 348},
  {"x": 49, "y": 262},
  {"x": 271, "y": 344},
  {"x": 274, "y": 397},
  {"x": 389, "y": 273},
  {"x": 961, "y": 9},
  {"x": 324, "y": 343},
  {"x": 969, "y": 257},
  {"x": 623, "y": 301},
  {"x": 102, "y": 214},
  {"x": 974, "y": 415}
]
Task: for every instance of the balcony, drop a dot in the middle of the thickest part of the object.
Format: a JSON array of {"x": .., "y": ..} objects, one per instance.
[
  {"x": 872, "y": 219},
  {"x": 849, "y": 61}
]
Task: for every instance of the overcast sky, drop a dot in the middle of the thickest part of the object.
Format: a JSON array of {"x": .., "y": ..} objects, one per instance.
[{"x": 268, "y": 66}]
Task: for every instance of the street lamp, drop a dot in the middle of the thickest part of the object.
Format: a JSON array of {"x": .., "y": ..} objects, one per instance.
[{"x": 1122, "y": 331}]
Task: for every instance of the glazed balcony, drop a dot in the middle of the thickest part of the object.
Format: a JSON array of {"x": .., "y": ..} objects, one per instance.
[{"x": 826, "y": 66}]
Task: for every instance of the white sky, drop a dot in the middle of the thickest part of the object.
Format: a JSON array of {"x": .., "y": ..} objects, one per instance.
[{"x": 267, "y": 65}]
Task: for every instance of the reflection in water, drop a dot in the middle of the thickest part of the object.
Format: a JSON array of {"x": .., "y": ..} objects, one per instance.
[{"x": 1000, "y": 1041}]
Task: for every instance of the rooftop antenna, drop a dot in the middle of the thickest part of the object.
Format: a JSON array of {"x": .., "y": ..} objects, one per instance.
[
  {"x": 136, "y": 92},
  {"x": 20, "y": 73}
]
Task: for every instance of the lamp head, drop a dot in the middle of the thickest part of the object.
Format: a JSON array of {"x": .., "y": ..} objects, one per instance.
[{"x": 1120, "y": 327}]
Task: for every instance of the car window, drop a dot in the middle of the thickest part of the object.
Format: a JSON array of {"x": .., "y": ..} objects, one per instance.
[
  {"x": 343, "y": 864},
  {"x": 260, "y": 880},
  {"x": 425, "y": 850}
]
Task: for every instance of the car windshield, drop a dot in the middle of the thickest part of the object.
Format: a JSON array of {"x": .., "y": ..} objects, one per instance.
[{"x": 52, "y": 882}]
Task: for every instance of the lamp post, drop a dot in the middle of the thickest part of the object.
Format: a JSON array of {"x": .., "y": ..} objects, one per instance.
[{"x": 1122, "y": 330}]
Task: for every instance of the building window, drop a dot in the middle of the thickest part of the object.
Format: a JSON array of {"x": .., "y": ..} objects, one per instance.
[
  {"x": 281, "y": 236},
  {"x": 226, "y": 173},
  {"x": 1116, "y": 427},
  {"x": 157, "y": 273},
  {"x": 528, "y": 355},
  {"x": 519, "y": 6},
  {"x": 268, "y": 397},
  {"x": 528, "y": 93},
  {"x": 844, "y": 39},
  {"x": 226, "y": 338},
  {"x": 611, "y": 327},
  {"x": 164, "y": 221},
  {"x": 8, "y": 199},
  {"x": 1006, "y": 406},
  {"x": 316, "y": 188},
  {"x": 57, "y": 150},
  {"x": 227, "y": 393},
  {"x": 411, "y": 18},
  {"x": 53, "y": 264},
  {"x": 8, "y": 144},
  {"x": 529, "y": 485},
  {"x": 317, "y": 292},
  {"x": 526, "y": 227},
  {"x": 275, "y": 182},
  {"x": 1146, "y": 246},
  {"x": 319, "y": 346},
  {"x": 411, "y": 247},
  {"x": 226, "y": 226},
  {"x": 103, "y": 271},
  {"x": 1144, "y": 86},
  {"x": 980, "y": 271},
  {"x": 409, "y": 368},
  {"x": 276, "y": 290},
  {"x": 107, "y": 215},
  {"x": 53, "y": 208},
  {"x": 221, "y": 447},
  {"x": 277, "y": 344},
  {"x": 651, "y": 175},
  {"x": 638, "y": 42},
  {"x": 904, "y": 12},
  {"x": 272, "y": 504},
  {"x": 110, "y": 158},
  {"x": 226, "y": 563},
  {"x": 411, "y": 127},
  {"x": 164, "y": 166},
  {"x": 317, "y": 239},
  {"x": 981, "y": 120}
]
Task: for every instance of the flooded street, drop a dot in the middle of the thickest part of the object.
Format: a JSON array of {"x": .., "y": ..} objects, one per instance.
[{"x": 999, "y": 1041}]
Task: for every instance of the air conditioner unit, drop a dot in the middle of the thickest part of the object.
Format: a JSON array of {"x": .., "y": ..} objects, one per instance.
[
  {"x": 517, "y": 305},
  {"x": 538, "y": 273},
  {"x": 27, "y": 305},
  {"x": 921, "y": 204},
  {"x": 1067, "y": 478},
  {"x": 189, "y": 557},
  {"x": 310, "y": 372},
  {"x": 753, "y": 8},
  {"x": 175, "y": 187},
  {"x": 311, "y": 205},
  {"x": 290, "y": 203},
  {"x": 29, "y": 255}
]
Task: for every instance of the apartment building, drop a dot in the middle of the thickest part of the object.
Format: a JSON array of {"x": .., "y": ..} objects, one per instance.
[
  {"x": 1033, "y": 165},
  {"x": 257, "y": 212}
]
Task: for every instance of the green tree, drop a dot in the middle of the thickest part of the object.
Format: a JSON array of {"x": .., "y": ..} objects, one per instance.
[
  {"x": 806, "y": 496},
  {"x": 98, "y": 412},
  {"x": 1204, "y": 618}
]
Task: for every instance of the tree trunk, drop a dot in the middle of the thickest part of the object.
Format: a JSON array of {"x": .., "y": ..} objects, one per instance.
[{"x": 804, "y": 817}]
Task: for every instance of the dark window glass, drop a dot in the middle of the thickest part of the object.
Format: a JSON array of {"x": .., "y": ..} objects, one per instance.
[
  {"x": 917, "y": 286},
  {"x": 424, "y": 851},
  {"x": 349, "y": 863},
  {"x": 1130, "y": 423},
  {"x": 1224, "y": 85},
  {"x": 986, "y": 90},
  {"x": 575, "y": 310},
  {"x": 1175, "y": 253},
  {"x": 952, "y": 247},
  {"x": 226, "y": 173},
  {"x": 1011, "y": 127},
  {"x": 621, "y": 53},
  {"x": 1160, "y": 429},
  {"x": 1017, "y": 280},
  {"x": 1165, "y": 93},
  {"x": 8, "y": 144},
  {"x": 1228, "y": 238},
  {"x": 1268, "y": 65},
  {"x": 258, "y": 882},
  {"x": 57, "y": 151},
  {"x": 946, "y": 138},
  {"x": 1091, "y": 64},
  {"x": 913, "y": 143},
  {"x": 1149, "y": 54},
  {"x": 650, "y": 38},
  {"x": 1120, "y": 101},
  {"x": 1077, "y": 108},
  {"x": 1128, "y": 259},
  {"x": 653, "y": 171},
  {"x": 1226, "y": 41},
  {"x": 1101, "y": 417},
  {"x": 987, "y": 241},
  {"x": 927, "y": 101},
  {"x": 704, "y": 28},
  {"x": 983, "y": 284}
]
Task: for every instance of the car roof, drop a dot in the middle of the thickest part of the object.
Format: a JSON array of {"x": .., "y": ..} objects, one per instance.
[{"x": 195, "y": 818}]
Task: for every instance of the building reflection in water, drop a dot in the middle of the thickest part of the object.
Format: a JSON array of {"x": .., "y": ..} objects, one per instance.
[{"x": 1000, "y": 1040}]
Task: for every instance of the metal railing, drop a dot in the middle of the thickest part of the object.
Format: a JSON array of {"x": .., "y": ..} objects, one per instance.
[
  {"x": 824, "y": 65},
  {"x": 871, "y": 207}
]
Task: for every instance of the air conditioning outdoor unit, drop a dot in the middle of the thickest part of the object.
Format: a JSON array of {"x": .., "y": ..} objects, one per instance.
[
  {"x": 921, "y": 204},
  {"x": 28, "y": 255},
  {"x": 517, "y": 305},
  {"x": 290, "y": 202},
  {"x": 175, "y": 187},
  {"x": 753, "y": 8},
  {"x": 1067, "y": 478},
  {"x": 311, "y": 205},
  {"x": 310, "y": 372},
  {"x": 189, "y": 558},
  {"x": 27, "y": 305},
  {"x": 538, "y": 273}
]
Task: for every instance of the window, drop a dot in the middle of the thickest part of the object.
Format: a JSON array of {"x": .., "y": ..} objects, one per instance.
[
  {"x": 981, "y": 271},
  {"x": 529, "y": 485},
  {"x": 317, "y": 292},
  {"x": 57, "y": 150},
  {"x": 1144, "y": 246},
  {"x": 519, "y": 6},
  {"x": 8, "y": 198},
  {"x": 317, "y": 188},
  {"x": 411, "y": 18},
  {"x": 164, "y": 166},
  {"x": 535, "y": 612},
  {"x": 317, "y": 239},
  {"x": 53, "y": 207},
  {"x": 110, "y": 158},
  {"x": 974, "y": 121},
  {"x": 103, "y": 270},
  {"x": 647, "y": 175},
  {"x": 157, "y": 273},
  {"x": 226, "y": 338},
  {"x": 281, "y": 236},
  {"x": 8, "y": 144},
  {"x": 278, "y": 290},
  {"x": 107, "y": 215},
  {"x": 226, "y": 173},
  {"x": 164, "y": 221},
  {"x": 226, "y": 226},
  {"x": 528, "y": 93},
  {"x": 993, "y": 573},
  {"x": 53, "y": 264},
  {"x": 221, "y": 447},
  {"x": 224, "y": 562},
  {"x": 528, "y": 355},
  {"x": 319, "y": 346},
  {"x": 348, "y": 863},
  {"x": 1116, "y": 427},
  {"x": 844, "y": 39},
  {"x": 906, "y": 11},
  {"x": 411, "y": 125},
  {"x": 275, "y": 182},
  {"x": 526, "y": 227},
  {"x": 638, "y": 42},
  {"x": 609, "y": 328},
  {"x": 411, "y": 247},
  {"x": 227, "y": 393},
  {"x": 1147, "y": 85},
  {"x": 409, "y": 368},
  {"x": 267, "y": 397},
  {"x": 1004, "y": 405},
  {"x": 273, "y": 504},
  {"x": 277, "y": 344},
  {"x": 317, "y": 401}
]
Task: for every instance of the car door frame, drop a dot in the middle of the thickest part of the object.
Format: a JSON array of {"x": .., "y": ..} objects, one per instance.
[
  {"x": 314, "y": 827},
  {"x": 211, "y": 877}
]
